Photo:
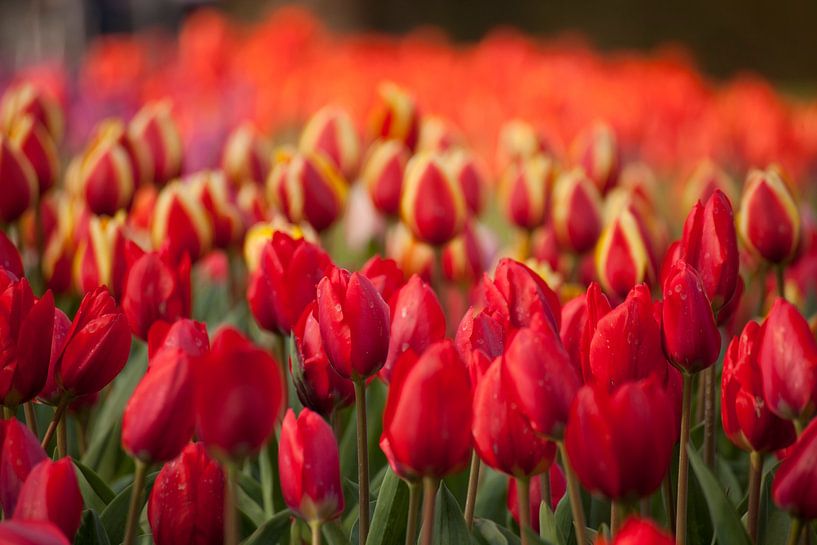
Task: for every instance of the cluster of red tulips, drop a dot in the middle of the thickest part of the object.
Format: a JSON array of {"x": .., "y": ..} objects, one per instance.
[{"x": 372, "y": 333}]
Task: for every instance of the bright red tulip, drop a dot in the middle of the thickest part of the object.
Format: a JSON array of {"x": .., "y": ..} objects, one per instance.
[
  {"x": 769, "y": 221},
  {"x": 690, "y": 335},
  {"x": 186, "y": 335},
  {"x": 385, "y": 274},
  {"x": 576, "y": 211},
  {"x": 354, "y": 322},
  {"x": 155, "y": 128},
  {"x": 796, "y": 478},
  {"x": 103, "y": 175},
  {"x": 36, "y": 144},
  {"x": 747, "y": 420},
  {"x": 620, "y": 444},
  {"x": 558, "y": 486},
  {"x": 427, "y": 420},
  {"x": 285, "y": 281},
  {"x": 29, "y": 532},
  {"x": 239, "y": 396},
  {"x": 480, "y": 340},
  {"x": 186, "y": 504},
  {"x": 503, "y": 437},
  {"x": 309, "y": 467},
  {"x": 19, "y": 182},
  {"x": 180, "y": 224},
  {"x": 382, "y": 174},
  {"x": 788, "y": 362},
  {"x": 20, "y": 452},
  {"x": 623, "y": 255},
  {"x": 51, "y": 493},
  {"x": 10, "y": 259},
  {"x": 580, "y": 318},
  {"x": 332, "y": 132},
  {"x": 636, "y": 531},
  {"x": 525, "y": 191}
]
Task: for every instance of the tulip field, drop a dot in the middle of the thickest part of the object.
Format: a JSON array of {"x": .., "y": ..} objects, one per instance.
[{"x": 269, "y": 284}]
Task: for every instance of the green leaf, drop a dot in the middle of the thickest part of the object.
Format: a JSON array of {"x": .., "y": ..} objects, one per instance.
[
  {"x": 114, "y": 516},
  {"x": 564, "y": 521},
  {"x": 91, "y": 531},
  {"x": 728, "y": 527},
  {"x": 449, "y": 524},
  {"x": 99, "y": 487},
  {"x": 488, "y": 532},
  {"x": 334, "y": 535},
  {"x": 389, "y": 520},
  {"x": 772, "y": 522},
  {"x": 272, "y": 531},
  {"x": 548, "y": 529},
  {"x": 493, "y": 488},
  {"x": 268, "y": 469}
]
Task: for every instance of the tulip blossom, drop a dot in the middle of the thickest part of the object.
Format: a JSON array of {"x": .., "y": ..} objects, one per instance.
[
  {"x": 480, "y": 339},
  {"x": 395, "y": 116},
  {"x": 30, "y": 99},
  {"x": 385, "y": 275},
  {"x": 525, "y": 191},
  {"x": 558, "y": 487},
  {"x": 36, "y": 144},
  {"x": 10, "y": 259},
  {"x": 101, "y": 255},
  {"x": 596, "y": 151},
  {"x": 382, "y": 174},
  {"x": 466, "y": 169},
  {"x": 580, "y": 318},
  {"x": 103, "y": 175},
  {"x": 769, "y": 221},
  {"x": 622, "y": 255},
  {"x": 154, "y": 127},
  {"x": 576, "y": 211},
  {"x": 636, "y": 531},
  {"x": 186, "y": 504},
  {"x": 180, "y": 224},
  {"x": 19, "y": 182},
  {"x": 51, "y": 493},
  {"x": 30, "y": 532},
  {"x": 332, "y": 132},
  {"x": 245, "y": 158},
  {"x": 211, "y": 190},
  {"x": 186, "y": 335},
  {"x": 309, "y": 467},
  {"x": 796, "y": 478},
  {"x": 20, "y": 451}
]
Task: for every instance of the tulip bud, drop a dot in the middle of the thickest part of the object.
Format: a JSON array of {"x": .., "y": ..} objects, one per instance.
[
  {"x": 622, "y": 257},
  {"x": 156, "y": 290},
  {"x": 795, "y": 480},
  {"x": 25, "y": 323},
  {"x": 580, "y": 318},
  {"x": 239, "y": 396},
  {"x": 466, "y": 169},
  {"x": 690, "y": 335},
  {"x": 100, "y": 258},
  {"x": 525, "y": 191},
  {"x": 636, "y": 531},
  {"x": 558, "y": 486},
  {"x": 19, "y": 182},
  {"x": 412, "y": 256},
  {"x": 576, "y": 211},
  {"x": 180, "y": 223},
  {"x": 260, "y": 233},
  {"x": 309, "y": 466},
  {"x": 463, "y": 258},
  {"x": 395, "y": 116},
  {"x": 210, "y": 189},
  {"x": 385, "y": 275},
  {"x": 186, "y": 335},
  {"x": 620, "y": 443},
  {"x": 480, "y": 340},
  {"x": 518, "y": 140},
  {"x": 382, "y": 174},
  {"x": 596, "y": 151},
  {"x": 768, "y": 220},
  {"x": 307, "y": 187},
  {"x": 503, "y": 437},
  {"x": 285, "y": 281},
  {"x": 29, "y": 532},
  {"x": 432, "y": 205},
  {"x": 245, "y": 158},
  {"x": 788, "y": 360},
  {"x": 438, "y": 134},
  {"x": 25, "y": 99},
  {"x": 35, "y": 143},
  {"x": 20, "y": 452},
  {"x": 706, "y": 178},
  {"x": 330, "y": 131},
  {"x": 96, "y": 347},
  {"x": 103, "y": 175},
  {"x": 154, "y": 127},
  {"x": 51, "y": 493},
  {"x": 747, "y": 420},
  {"x": 186, "y": 503},
  {"x": 10, "y": 259},
  {"x": 427, "y": 419},
  {"x": 417, "y": 321}
]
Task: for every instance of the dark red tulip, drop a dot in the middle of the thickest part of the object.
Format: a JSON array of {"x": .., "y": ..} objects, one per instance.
[
  {"x": 309, "y": 466},
  {"x": 354, "y": 323},
  {"x": 318, "y": 385},
  {"x": 186, "y": 504},
  {"x": 417, "y": 321},
  {"x": 788, "y": 361},
  {"x": 620, "y": 444},
  {"x": 239, "y": 396},
  {"x": 29, "y": 532},
  {"x": 19, "y": 182},
  {"x": 51, "y": 493},
  {"x": 558, "y": 486},
  {"x": 580, "y": 318},
  {"x": 576, "y": 211},
  {"x": 796, "y": 478},
  {"x": 636, "y": 531},
  {"x": 156, "y": 290},
  {"x": 9, "y": 256},
  {"x": 690, "y": 335},
  {"x": 627, "y": 343},
  {"x": 671, "y": 256},
  {"x": 769, "y": 220},
  {"x": 382, "y": 174},
  {"x": 96, "y": 347},
  {"x": 710, "y": 246},
  {"x": 747, "y": 420},
  {"x": 21, "y": 451},
  {"x": 51, "y": 391},
  {"x": 385, "y": 274},
  {"x": 25, "y": 324},
  {"x": 480, "y": 339},
  {"x": 503, "y": 437},
  {"x": 159, "y": 418},
  {"x": 285, "y": 281},
  {"x": 427, "y": 419},
  {"x": 186, "y": 335}
]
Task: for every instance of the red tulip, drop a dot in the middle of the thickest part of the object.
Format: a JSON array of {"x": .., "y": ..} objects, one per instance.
[
  {"x": 596, "y": 151},
  {"x": 354, "y": 323},
  {"x": 154, "y": 127},
  {"x": 623, "y": 255},
  {"x": 620, "y": 444},
  {"x": 636, "y": 531},
  {"x": 36, "y": 144},
  {"x": 747, "y": 420},
  {"x": 180, "y": 224},
  {"x": 28, "y": 99},
  {"x": 103, "y": 175},
  {"x": 19, "y": 183},
  {"x": 239, "y": 396},
  {"x": 769, "y": 221},
  {"x": 576, "y": 211},
  {"x": 580, "y": 318},
  {"x": 503, "y": 437},
  {"x": 427, "y": 419},
  {"x": 96, "y": 347},
  {"x": 10, "y": 259},
  {"x": 463, "y": 259},
  {"x": 417, "y": 321},
  {"x": 384, "y": 274},
  {"x": 545, "y": 380},
  {"x": 28, "y": 532},
  {"x": 101, "y": 255},
  {"x": 24, "y": 357},
  {"x": 245, "y": 158},
  {"x": 20, "y": 452},
  {"x": 480, "y": 339},
  {"x": 318, "y": 385},
  {"x": 690, "y": 335},
  {"x": 525, "y": 190},
  {"x": 309, "y": 467},
  {"x": 788, "y": 361},
  {"x": 186, "y": 335},
  {"x": 285, "y": 281},
  {"x": 51, "y": 493},
  {"x": 186, "y": 504},
  {"x": 382, "y": 174},
  {"x": 395, "y": 116},
  {"x": 796, "y": 478},
  {"x": 558, "y": 486},
  {"x": 211, "y": 190},
  {"x": 332, "y": 132},
  {"x": 466, "y": 169}
]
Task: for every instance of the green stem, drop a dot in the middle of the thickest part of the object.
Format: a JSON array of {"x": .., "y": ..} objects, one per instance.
[
  {"x": 413, "y": 512},
  {"x": 669, "y": 507},
  {"x": 8, "y": 413},
  {"x": 544, "y": 488},
  {"x": 574, "y": 494},
  {"x": 315, "y": 526},
  {"x": 473, "y": 485},
  {"x": 362, "y": 459},
  {"x": 799, "y": 426},
  {"x": 615, "y": 517},
  {"x": 683, "y": 465},
  {"x": 52, "y": 427},
  {"x": 755, "y": 475},
  {"x": 62, "y": 437},
  {"x": 429, "y": 498},
  {"x": 31, "y": 418},
  {"x": 709, "y": 416},
  {"x": 139, "y": 475},
  {"x": 781, "y": 281},
  {"x": 523, "y": 495},
  {"x": 794, "y": 533},
  {"x": 230, "y": 505}
]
